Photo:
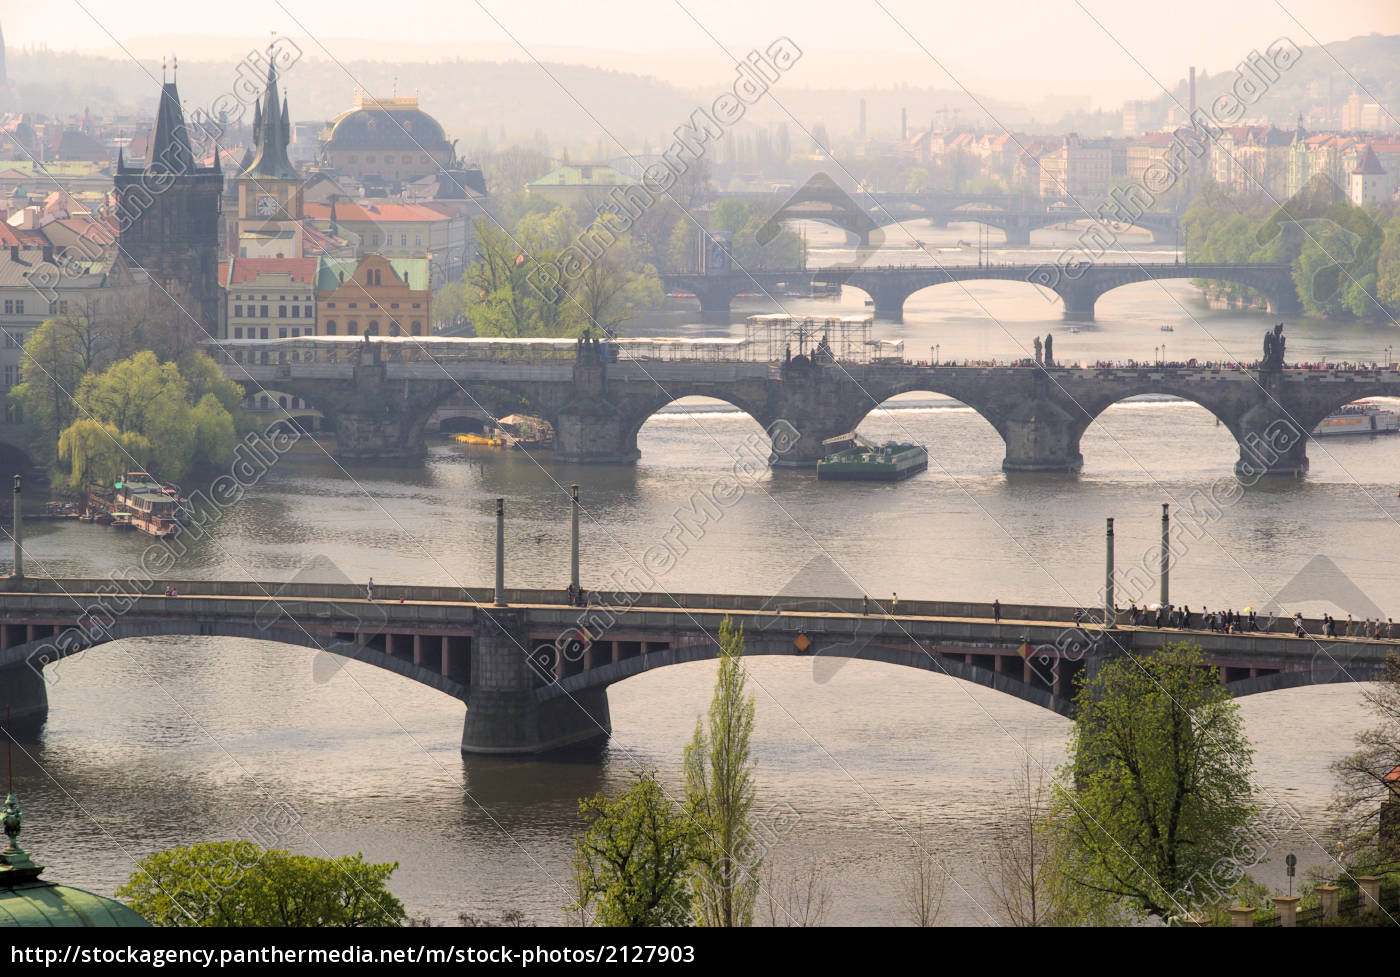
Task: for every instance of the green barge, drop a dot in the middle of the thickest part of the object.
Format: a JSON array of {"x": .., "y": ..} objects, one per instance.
[{"x": 851, "y": 458}]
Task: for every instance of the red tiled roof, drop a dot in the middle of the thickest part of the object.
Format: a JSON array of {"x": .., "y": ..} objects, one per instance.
[
  {"x": 243, "y": 270},
  {"x": 396, "y": 213}
]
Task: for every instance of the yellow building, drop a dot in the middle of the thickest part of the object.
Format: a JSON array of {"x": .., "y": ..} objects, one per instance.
[{"x": 374, "y": 296}]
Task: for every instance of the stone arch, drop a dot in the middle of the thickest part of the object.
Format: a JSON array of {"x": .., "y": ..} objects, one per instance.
[
  {"x": 639, "y": 416},
  {"x": 1085, "y": 412},
  {"x": 928, "y": 385},
  {"x": 1324, "y": 402},
  {"x": 603, "y": 676}
]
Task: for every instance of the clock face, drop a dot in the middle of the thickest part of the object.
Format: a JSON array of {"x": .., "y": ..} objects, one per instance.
[{"x": 267, "y": 206}]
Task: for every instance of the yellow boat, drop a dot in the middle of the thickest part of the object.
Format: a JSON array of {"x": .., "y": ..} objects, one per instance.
[{"x": 481, "y": 439}]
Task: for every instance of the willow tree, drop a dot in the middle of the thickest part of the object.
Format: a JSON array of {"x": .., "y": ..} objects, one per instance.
[
  {"x": 1157, "y": 792},
  {"x": 719, "y": 790}
]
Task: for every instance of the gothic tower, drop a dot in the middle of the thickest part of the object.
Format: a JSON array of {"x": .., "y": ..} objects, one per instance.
[
  {"x": 270, "y": 208},
  {"x": 168, "y": 215}
]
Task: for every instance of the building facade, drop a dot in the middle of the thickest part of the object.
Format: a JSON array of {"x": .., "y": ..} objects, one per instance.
[{"x": 374, "y": 295}]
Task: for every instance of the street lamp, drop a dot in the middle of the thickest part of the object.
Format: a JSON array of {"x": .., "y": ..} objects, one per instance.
[
  {"x": 936, "y": 354},
  {"x": 1387, "y": 356}
]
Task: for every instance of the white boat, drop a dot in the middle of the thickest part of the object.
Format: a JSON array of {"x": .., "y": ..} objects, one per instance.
[{"x": 1361, "y": 417}]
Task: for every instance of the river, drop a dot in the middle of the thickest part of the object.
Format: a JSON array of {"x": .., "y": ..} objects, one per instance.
[{"x": 167, "y": 741}]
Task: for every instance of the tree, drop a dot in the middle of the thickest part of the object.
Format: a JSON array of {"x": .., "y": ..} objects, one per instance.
[
  {"x": 1362, "y": 787},
  {"x": 796, "y": 898},
  {"x": 96, "y": 453},
  {"x": 922, "y": 886},
  {"x": 1157, "y": 787},
  {"x": 1022, "y": 883},
  {"x": 236, "y": 883},
  {"x": 719, "y": 791},
  {"x": 633, "y": 862},
  {"x": 613, "y": 285},
  {"x": 56, "y": 357}
]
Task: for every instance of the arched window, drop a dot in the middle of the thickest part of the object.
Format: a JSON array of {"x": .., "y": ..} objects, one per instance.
[
  {"x": 393, "y": 328},
  {"x": 417, "y": 328},
  {"x": 352, "y": 329},
  {"x": 372, "y": 329},
  {"x": 330, "y": 327}
]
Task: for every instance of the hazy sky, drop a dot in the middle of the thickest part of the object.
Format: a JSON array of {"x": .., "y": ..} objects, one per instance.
[{"x": 1019, "y": 49}]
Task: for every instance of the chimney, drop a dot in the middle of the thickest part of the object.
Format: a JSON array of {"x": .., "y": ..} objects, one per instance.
[{"x": 14, "y": 252}]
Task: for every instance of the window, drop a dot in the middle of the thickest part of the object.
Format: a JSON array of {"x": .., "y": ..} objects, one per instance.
[
  {"x": 19, "y": 306},
  {"x": 14, "y": 339},
  {"x": 11, "y": 376},
  {"x": 237, "y": 332},
  {"x": 263, "y": 336},
  {"x": 282, "y": 333},
  {"x": 403, "y": 240},
  {"x": 417, "y": 328},
  {"x": 352, "y": 305},
  {"x": 9, "y": 306},
  {"x": 417, "y": 240},
  {"x": 282, "y": 402},
  {"x": 352, "y": 329},
  {"x": 330, "y": 305},
  {"x": 417, "y": 305},
  {"x": 393, "y": 305},
  {"x": 372, "y": 329},
  {"x": 238, "y": 311},
  {"x": 281, "y": 312},
  {"x": 263, "y": 402},
  {"x": 264, "y": 314},
  {"x": 296, "y": 312},
  {"x": 309, "y": 312},
  {"x": 393, "y": 328},
  {"x": 330, "y": 328},
  {"x": 295, "y": 333}
]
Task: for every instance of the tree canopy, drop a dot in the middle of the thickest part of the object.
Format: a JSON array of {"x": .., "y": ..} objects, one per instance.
[{"x": 236, "y": 883}]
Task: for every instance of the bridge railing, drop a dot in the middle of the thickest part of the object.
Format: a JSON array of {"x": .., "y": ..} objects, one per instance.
[{"x": 270, "y": 590}]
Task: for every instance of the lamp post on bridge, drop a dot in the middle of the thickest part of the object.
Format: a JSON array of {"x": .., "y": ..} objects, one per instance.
[
  {"x": 573, "y": 545},
  {"x": 1163, "y": 597},
  {"x": 500, "y": 552},
  {"x": 18, "y": 534},
  {"x": 1110, "y": 617}
]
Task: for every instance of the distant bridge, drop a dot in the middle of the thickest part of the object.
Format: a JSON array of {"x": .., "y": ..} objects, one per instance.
[
  {"x": 380, "y": 396},
  {"x": 1078, "y": 288},
  {"x": 534, "y": 674},
  {"x": 862, "y": 214}
]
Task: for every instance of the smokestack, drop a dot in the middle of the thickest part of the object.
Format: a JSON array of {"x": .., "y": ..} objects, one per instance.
[
  {"x": 1191, "y": 103},
  {"x": 903, "y": 124},
  {"x": 862, "y": 119}
]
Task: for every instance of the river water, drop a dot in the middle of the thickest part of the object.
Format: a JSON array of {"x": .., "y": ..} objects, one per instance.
[{"x": 159, "y": 742}]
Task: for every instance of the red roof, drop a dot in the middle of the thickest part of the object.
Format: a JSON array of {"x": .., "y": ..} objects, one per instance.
[
  {"x": 245, "y": 270},
  {"x": 396, "y": 213}
]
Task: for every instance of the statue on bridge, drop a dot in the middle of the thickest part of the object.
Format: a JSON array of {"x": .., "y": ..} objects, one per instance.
[
  {"x": 1037, "y": 351},
  {"x": 1273, "y": 349},
  {"x": 1049, "y": 346}
]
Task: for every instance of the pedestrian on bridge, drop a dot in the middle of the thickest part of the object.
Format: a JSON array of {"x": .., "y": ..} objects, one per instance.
[
  {"x": 369, "y": 590},
  {"x": 894, "y": 604},
  {"x": 865, "y": 604},
  {"x": 996, "y": 610}
]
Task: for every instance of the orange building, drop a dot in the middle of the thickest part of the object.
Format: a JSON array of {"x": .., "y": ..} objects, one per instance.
[{"x": 374, "y": 296}]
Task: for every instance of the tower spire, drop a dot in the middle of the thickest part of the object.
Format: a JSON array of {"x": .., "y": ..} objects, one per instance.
[{"x": 273, "y": 120}]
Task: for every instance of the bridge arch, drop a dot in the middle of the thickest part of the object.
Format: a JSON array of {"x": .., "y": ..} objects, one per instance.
[
  {"x": 602, "y": 676},
  {"x": 648, "y": 409},
  {"x": 1090, "y": 410},
  {"x": 983, "y": 412},
  {"x": 66, "y": 642}
]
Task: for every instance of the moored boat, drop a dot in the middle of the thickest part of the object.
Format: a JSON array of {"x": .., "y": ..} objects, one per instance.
[
  {"x": 1362, "y": 417},
  {"x": 852, "y": 458}
]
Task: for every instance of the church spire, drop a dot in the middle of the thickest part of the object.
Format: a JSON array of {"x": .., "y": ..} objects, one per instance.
[
  {"x": 271, "y": 161},
  {"x": 170, "y": 143}
]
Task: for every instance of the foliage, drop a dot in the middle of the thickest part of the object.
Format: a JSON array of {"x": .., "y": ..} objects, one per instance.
[
  {"x": 922, "y": 885},
  {"x": 236, "y": 883},
  {"x": 632, "y": 864},
  {"x": 1361, "y": 786},
  {"x": 743, "y": 219},
  {"x": 147, "y": 412},
  {"x": 1157, "y": 787},
  {"x": 719, "y": 792}
]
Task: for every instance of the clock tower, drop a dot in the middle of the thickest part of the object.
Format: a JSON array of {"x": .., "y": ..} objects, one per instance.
[{"x": 269, "y": 188}]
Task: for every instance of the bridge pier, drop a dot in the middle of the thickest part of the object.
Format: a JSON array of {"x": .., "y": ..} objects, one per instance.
[
  {"x": 1078, "y": 303},
  {"x": 504, "y": 717},
  {"x": 24, "y": 696},
  {"x": 1017, "y": 237},
  {"x": 1041, "y": 437},
  {"x": 388, "y": 436},
  {"x": 595, "y": 435},
  {"x": 1271, "y": 443},
  {"x": 889, "y": 303}
]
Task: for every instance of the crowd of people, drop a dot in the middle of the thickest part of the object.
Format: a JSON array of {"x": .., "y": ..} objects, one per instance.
[{"x": 1230, "y": 621}]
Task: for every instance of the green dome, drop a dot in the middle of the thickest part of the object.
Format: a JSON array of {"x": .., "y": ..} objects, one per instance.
[
  {"x": 48, "y": 904},
  {"x": 27, "y": 900}
]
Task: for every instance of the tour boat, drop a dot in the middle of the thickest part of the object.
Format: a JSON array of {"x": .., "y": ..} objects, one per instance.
[
  {"x": 1361, "y": 417},
  {"x": 149, "y": 505},
  {"x": 1168, "y": 328},
  {"x": 852, "y": 458}
]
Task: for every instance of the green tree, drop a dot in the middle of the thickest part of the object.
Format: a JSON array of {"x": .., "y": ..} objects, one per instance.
[
  {"x": 236, "y": 883},
  {"x": 96, "y": 453},
  {"x": 1157, "y": 787},
  {"x": 1361, "y": 785},
  {"x": 56, "y": 357},
  {"x": 143, "y": 396},
  {"x": 719, "y": 791},
  {"x": 633, "y": 862}
]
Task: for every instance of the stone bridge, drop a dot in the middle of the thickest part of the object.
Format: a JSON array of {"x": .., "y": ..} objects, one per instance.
[
  {"x": 534, "y": 673},
  {"x": 380, "y": 396},
  {"x": 1078, "y": 287}
]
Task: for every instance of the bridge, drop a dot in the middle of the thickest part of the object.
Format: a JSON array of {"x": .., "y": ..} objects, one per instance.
[
  {"x": 1078, "y": 287},
  {"x": 861, "y": 214},
  {"x": 380, "y": 395},
  {"x": 534, "y": 671}
]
